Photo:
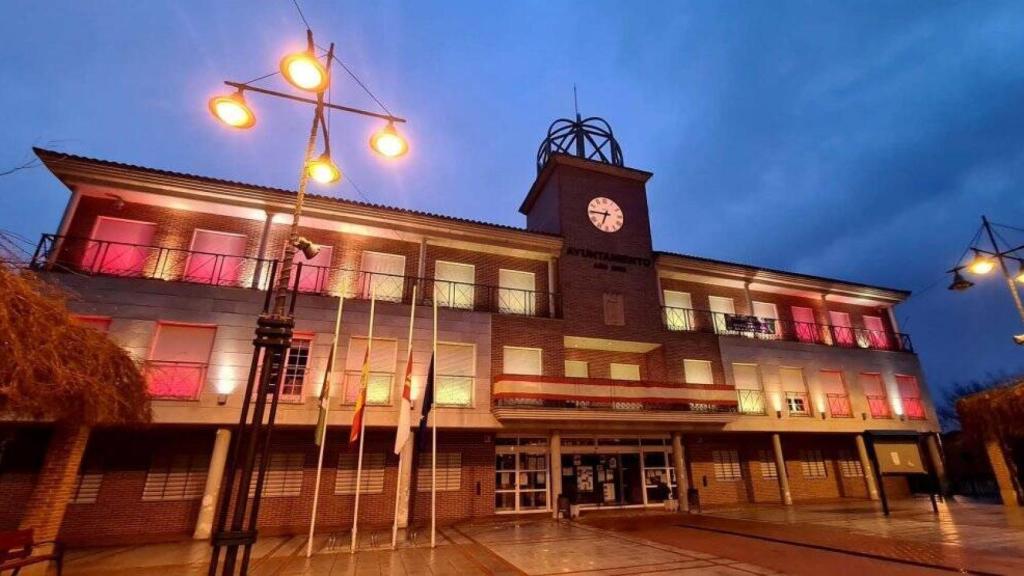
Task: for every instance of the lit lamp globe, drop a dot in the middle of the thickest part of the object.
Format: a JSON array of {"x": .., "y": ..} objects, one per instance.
[
  {"x": 232, "y": 110},
  {"x": 323, "y": 170},
  {"x": 304, "y": 71},
  {"x": 981, "y": 265},
  {"x": 388, "y": 142}
]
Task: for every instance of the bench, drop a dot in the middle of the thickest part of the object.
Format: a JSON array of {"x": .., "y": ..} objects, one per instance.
[{"x": 16, "y": 551}]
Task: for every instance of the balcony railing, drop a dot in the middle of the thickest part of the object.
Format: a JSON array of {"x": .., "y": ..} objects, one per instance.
[
  {"x": 104, "y": 258},
  {"x": 751, "y": 402},
  {"x": 878, "y": 406},
  {"x": 175, "y": 380},
  {"x": 839, "y": 405},
  {"x": 692, "y": 320},
  {"x": 914, "y": 408}
]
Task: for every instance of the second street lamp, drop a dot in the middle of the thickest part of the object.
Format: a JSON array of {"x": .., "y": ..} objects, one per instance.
[{"x": 247, "y": 460}]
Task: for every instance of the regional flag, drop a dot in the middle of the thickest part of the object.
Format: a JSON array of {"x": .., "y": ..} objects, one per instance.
[
  {"x": 402, "y": 434},
  {"x": 357, "y": 417}
]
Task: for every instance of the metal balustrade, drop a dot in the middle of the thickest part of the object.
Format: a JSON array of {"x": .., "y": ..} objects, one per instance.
[
  {"x": 839, "y": 405},
  {"x": 175, "y": 380},
  {"x": 878, "y": 406},
  {"x": 105, "y": 258},
  {"x": 751, "y": 402},
  {"x": 693, "y": 320}
]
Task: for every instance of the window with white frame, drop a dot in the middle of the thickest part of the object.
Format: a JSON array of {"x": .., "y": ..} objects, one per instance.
[
  {"x": 215, "y": 258},
  {"x": 812, "y": 463},
  {"x": 283, "y": 476},
  {"x": 454, "y": 284},
  {"x": 577, "y": 369},
  {"x": 620, "y": 371},
  {"x": 678, "y": 310},
  {"x": 727, "y": 465},
  {"x": 382, "y": 276},
  {"x": 516, "y": 292},
  {"x": 795, "y": 389},
  {"x": 749, "y": 392},
  {"x": 449, "y": 472},
  {"x": 381, "y": 375},
  {"x": 849, "y": 465},
  {"x": 721, "y": 307},
  {"x": 176, "y": 476},
  {"x": 296, "y": 365},
  {"x": 456, "y": 371},
  {"x": 697, "y": 372},
  {"x": 372, "y": 479},
  {"x": 769, "y": 315},
  {"x": 178, "y": 362},
  {"x": 769, "y": 469},
  {"x": 526, "y": 361}
]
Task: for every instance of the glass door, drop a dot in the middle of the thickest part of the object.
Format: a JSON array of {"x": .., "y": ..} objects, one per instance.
[{"x": 521, "y": 475}]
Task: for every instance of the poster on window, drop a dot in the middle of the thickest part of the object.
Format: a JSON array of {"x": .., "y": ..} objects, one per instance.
[
  {"x": 585, "y": 479},
  {"x": 609, "y": 492}
]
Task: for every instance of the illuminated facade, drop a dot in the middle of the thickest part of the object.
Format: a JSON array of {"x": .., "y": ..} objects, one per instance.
[{"x": 574, "y": 358}]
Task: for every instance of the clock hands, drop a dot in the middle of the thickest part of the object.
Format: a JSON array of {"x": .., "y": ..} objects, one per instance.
[{"x": 605, "y": 213}]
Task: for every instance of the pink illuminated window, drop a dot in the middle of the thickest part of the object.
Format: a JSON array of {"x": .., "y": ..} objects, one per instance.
[
  {"x": 315, "y": 270},
  {"x": 119, "y": 247},
  {"x": 910, "y": 396},
  {"x": 215, "y": 258},
  {"x": 179, "y": 359},
  {"x": 876, "y": 335},
  {"x": 842, "y": 328},
  {"x": 874, "y": 391},
  {"x": 804, "y": 324}
]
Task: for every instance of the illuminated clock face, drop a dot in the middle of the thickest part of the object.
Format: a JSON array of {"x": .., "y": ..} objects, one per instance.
[{"x": 605, "y": 214}]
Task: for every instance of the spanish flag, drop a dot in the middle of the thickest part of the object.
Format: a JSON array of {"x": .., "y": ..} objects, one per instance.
[{"x": 357, "y": 417}]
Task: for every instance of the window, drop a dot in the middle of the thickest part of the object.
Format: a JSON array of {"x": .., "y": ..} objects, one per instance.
[
  {"x": 792, "y": 380},
  {"x": 372, "y": 479},
  {"x": 697, "y": 372},
  {"x": 453, "y": 284},
  {"x": 176, "y": 477},
  {"x": 295, "y": 366},
  {"x": 769, "y": 470},
  {"x": 624, "y": 371},
  {"x": 382, "y": 276},
  {"x": 749, "y": 391},
  {"x": 849, "y": 466},
  {"x": 316, "y": 271},
  {"x": 516, "y": 292},
  {"x": 577, "y": 369},
  {"x": 678, "y": 310},
  {"x": 877, "y": 337},
  {"x": 522, "y": 361},
  {"x": 456, "y": 368},
  {"x": 614, "y": 310},
  {"x": 767, "y": 311},
  {"x": 87, "y": 487},
  {"x": 177, "y": 364},
  {"x": 521, "y": 478},
  {"x": 283, "y": 476},
  {"x": 813, "y": 464},
  {"x": 215, "y": 258},
  {"x": 874, "y": 391},
  {"x": 382, "y": 370},
  {"x": 119, "y": 247},
  {"x": 727, "y": 465},
  {"x": 449, "y": 472},
  {"x": 805, "y": 325},
  {"x": 834, "y": 389},
  {"x": 97, "y": 323},
  {"x": 842, "y": 328},
  {"x": 910, "y": 396},
  {"x": 720, "y": 308}
]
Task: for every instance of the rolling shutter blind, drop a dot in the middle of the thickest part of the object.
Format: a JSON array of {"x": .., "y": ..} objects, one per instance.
[
  {"x": 176, "y": 477},
  {"x": 449, "y": 472},
  {"x": 745, "y": 377},
  {"x": 872, "y": 384},
  {"x": 727, "y": 464},
  {"x": 792, "y": 380},
  {"x": 183, "y": 343},
  {"x": 698, "y": 372},
  {"x": 283, "y": 476},
  {"x": 577, "y": 369},
  {"x": 373, "y": 474},
  {"x": 522, "y": 361},
  {"x": 625, "y": 371},
  {"x": 831, "y": 382}
]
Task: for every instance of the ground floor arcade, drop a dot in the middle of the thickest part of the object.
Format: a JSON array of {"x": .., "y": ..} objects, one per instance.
[{"x": 160, "y": 483}]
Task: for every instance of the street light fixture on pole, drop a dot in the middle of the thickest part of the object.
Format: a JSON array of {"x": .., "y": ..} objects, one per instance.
[
  {"x": 237, "y": 517},
  {"x": 985, "y": 259}
]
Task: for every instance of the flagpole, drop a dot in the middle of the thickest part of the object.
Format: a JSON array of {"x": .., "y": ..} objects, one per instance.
[
  {"x": 362, "y": 430},
  {"x": 433, "y": 450},
  {"x": 325, "y": 407},
  {"x": 402, "y": 406}
]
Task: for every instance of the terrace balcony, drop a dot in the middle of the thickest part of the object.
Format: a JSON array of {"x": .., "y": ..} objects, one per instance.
[
  {"x": 117, "y": 259},
  {"x": 520, "y": 397},
  {"x": 691, "y": 320}
]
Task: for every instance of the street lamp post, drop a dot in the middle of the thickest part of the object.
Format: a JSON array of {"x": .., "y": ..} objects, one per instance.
[
  {"x": 237, "y": 514},
  {"x": 985, "y": 260}
]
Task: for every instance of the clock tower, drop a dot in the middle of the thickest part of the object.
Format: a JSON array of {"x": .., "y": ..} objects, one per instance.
[{"x": 586, "y": 195}]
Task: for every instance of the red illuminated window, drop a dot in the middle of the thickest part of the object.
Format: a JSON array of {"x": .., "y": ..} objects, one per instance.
[
  {"x": 177, "y": 364},
  {"x": 874, "y": 391},
  {"x": 804, "y": 324},
  {"x": 119, "y": 247},
  {"x": 876, "y": 335},
  {"x": 910, "y": 396},
  {"x": 215, "y": 258},
  {"x": 842, "y": 328}
]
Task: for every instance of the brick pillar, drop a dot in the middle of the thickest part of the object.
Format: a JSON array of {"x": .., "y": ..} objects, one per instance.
[
  {"x": 679, "y": 463},
  {"x": 780, "y": 468},
  {"x": 935, "y": 455},
  {"x": 1003, "y": 470},
  {"x": 56, "y": 482},
  {"x": 865, "y": 463},
  {"x": 208, "y": 506},
  {"x": 555, "y": 466}
]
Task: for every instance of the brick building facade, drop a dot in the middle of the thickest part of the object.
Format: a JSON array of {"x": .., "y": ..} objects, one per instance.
[{"x": 574, "y": 358}]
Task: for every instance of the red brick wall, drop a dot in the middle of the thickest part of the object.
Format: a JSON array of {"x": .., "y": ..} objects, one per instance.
[
  {"x": 21, "y": 457},
  {"x": 475, "y": 497}
]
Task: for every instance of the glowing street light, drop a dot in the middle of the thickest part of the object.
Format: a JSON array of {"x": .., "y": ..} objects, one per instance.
[
  {"x": 323, "y": 170},
  {"x": 304, "y": 71},
  {"x": 981, "y": 265},
  {"x": 232, "y": 110},
  {"x": 388, "y": 142}
]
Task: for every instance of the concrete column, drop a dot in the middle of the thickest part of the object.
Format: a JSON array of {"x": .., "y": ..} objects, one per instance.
[
  {"x": 214, "y": 477},
  {"x": 935, "y": 454},
  {"x": 555, "y": 469},
  {"x": 780, "y": 467},
  {"x": 421, "y": 272},
  {"x": 65, "y": 226},
  {"x": 261, "y": 252},
  {"x": 865, "y": 463},
  {"x": 1003, "y": 471},
  {"x": 750, "y": 300},
  {"x": 405, "y": 481},
  {"x": 552, "y": 281},
  {"x": 679, "y": 463}
]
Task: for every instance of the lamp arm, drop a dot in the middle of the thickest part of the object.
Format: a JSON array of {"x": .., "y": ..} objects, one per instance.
[{"x": 243, "y": 87}]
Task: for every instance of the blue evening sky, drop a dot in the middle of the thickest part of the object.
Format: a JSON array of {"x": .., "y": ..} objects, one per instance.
[{"x": 860, "y": 140}]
